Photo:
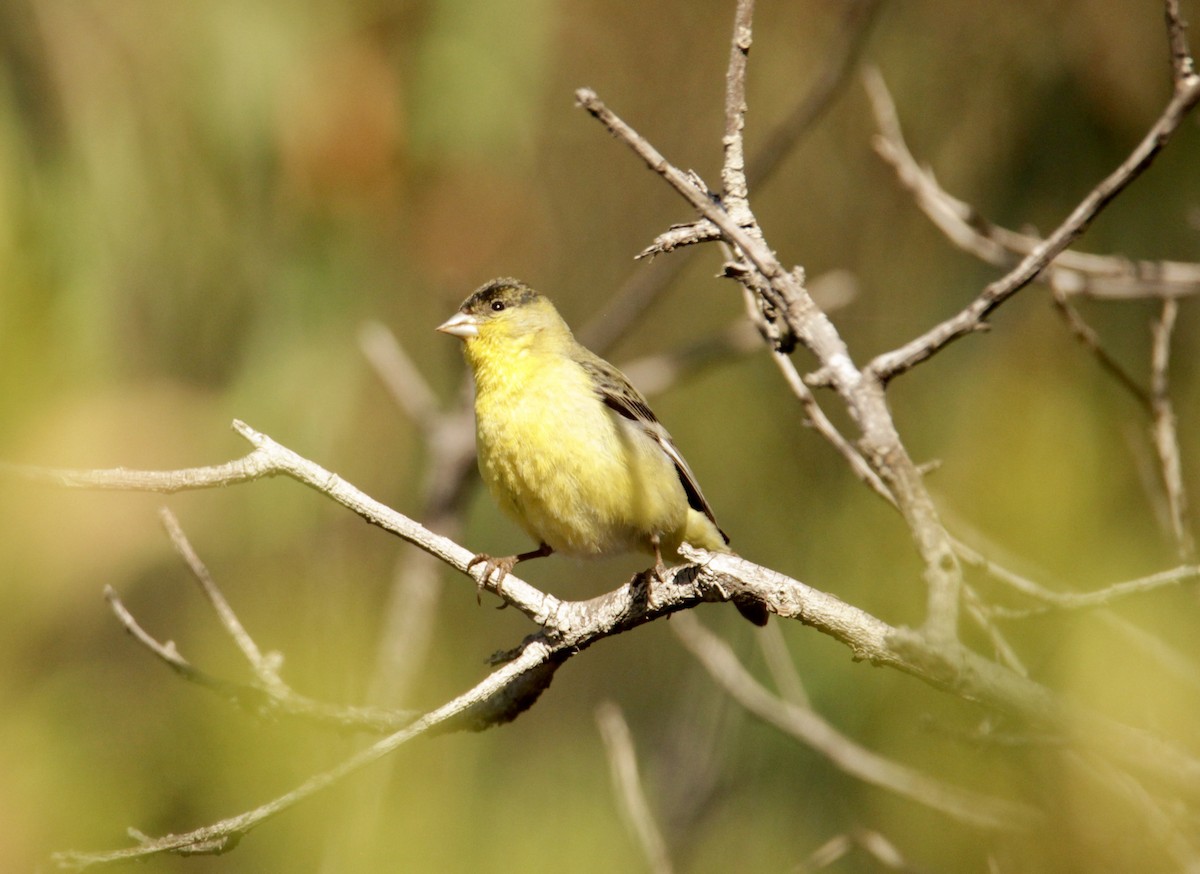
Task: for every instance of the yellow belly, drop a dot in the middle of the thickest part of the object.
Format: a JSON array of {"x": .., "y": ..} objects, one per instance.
[{"x": 574, "y": 474}]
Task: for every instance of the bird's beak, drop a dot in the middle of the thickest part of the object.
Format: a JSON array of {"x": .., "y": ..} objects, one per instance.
[{"x": 461, "y": 325}]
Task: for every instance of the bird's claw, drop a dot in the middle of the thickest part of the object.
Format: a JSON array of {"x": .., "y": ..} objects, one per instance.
[{"x": 499, "y": 566}]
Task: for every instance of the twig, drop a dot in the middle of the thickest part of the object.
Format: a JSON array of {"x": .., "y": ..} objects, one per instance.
[
  {"x": 398, "y": 373},
  {"x": 736, "y": 194},
  {"x": 820, "y": 422},
  {"x": 265, "y": 668},
  {"x": 960, "y": 672},
  {"x": 963, "y": 805},
  {"x": 873, "y": 843},
  {"x": 841, "y": 60},
  {"x": 627, "y": 784},
  {"x": 270, "y": 694},
  {"x": 783, "y": 294},
  {"x": 1098, "y": 598},
  {"x": 641, "y": 289},
  {"x": 1183, "y": 67},
  {"x": 222, "y": 836},
  {"x": 891, "y": 364},
  {"x": 1166, "y": 439},
  {"x": 1070, "y": 274},
  {"x": 981, "y": 615},
  {"x": 781, "y": 666},
  {"x": 1067, "y": 274}
]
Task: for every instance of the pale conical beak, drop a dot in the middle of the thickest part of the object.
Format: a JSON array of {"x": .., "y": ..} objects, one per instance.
[{"x": 460, "y": 325}]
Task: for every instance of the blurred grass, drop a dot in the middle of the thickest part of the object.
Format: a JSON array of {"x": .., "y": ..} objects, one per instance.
[{"x": 200, "y": 204}]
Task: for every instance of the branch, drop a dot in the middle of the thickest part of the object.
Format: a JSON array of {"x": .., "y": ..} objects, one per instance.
[
  {"x": 1183, "y": 67},
  {"x": 622, "y": 765},
  {"x": 1098, "y": 598},
  {"x": 277, "y": 699},
  {"x": 889, "y": 365},
  {"x": 224, "y": 835},
  {"x": 637, "y": 293},
  {"x": 1166, "y": 438},
  {"x": 570, "y": 627},
  {"x": 787, "y": 305},
  {"x": 1070, "y": 273},
  {"x": 960, "y": 672},
  {"x": 733, "y": 168},
  {"x": 807, "y": 726}
]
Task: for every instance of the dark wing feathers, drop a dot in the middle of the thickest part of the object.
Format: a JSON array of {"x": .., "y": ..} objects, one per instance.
[{"x": 616, "y": 392}]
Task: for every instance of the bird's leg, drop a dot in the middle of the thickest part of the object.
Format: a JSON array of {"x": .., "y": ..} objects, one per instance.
[
  {"x": 502, "y": 566},
  {"x": 660, "y": 569}
]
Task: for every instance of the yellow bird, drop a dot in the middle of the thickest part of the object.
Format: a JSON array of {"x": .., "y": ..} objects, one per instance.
[{"x": 568, "y": 448}]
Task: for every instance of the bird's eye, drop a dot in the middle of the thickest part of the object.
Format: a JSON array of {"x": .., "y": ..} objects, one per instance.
[{"x": 497, "y": 305}]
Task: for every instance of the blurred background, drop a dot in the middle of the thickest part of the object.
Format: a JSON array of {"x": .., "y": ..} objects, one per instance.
[{"x": 202, "y": 204}]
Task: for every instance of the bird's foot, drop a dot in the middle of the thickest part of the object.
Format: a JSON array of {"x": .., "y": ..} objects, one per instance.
[{"x": 501, "y": 567}]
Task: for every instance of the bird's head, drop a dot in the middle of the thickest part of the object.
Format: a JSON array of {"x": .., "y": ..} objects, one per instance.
[{"x": 505, "y": 311}]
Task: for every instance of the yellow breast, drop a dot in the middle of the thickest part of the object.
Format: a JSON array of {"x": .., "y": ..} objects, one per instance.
[{"x": 573, "y": 473}]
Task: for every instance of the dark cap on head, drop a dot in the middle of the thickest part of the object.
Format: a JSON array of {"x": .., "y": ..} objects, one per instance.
[{"x": 505, "y": 290}]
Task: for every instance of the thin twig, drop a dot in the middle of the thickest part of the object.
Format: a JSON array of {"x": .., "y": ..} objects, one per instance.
[
  {"x": 644, "y": 286},
  {"x": 221, "y": 836},
  {"x": 783, "y": 294},
  {"x": 1166, "y": 438},
  {"x": 963, "y": 805},
  {"x": 820, "y": 422},
  {"x": 964, "y": 226},
  {"x": 781, "y": 665},
  {"x": 270, "y": 694},
  {"x": 1098, "y": 598},
  {"x": 858, "y": 16},
  {"x": 1183, "y": 66},
  {"x": 736, "y": 193},
  {"x": 891, "y": 364},
  {"x": 627, "y": 784},
  {"x": 265, "y": 668},
  {"x": 1070, "y": 274}
]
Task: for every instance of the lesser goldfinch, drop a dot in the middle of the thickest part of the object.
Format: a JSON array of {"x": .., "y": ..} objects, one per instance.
[{"x": 567, "y": 447}]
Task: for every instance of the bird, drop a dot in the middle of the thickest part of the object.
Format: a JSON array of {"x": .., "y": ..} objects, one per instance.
[{"x": 567, "y": 447}]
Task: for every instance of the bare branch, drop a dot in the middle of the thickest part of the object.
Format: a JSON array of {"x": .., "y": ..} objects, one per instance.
[
  {"x": 270, "y": 694},
  {"x": 820, "y": 422},
  {"x": 1070, "y": 274},
  {"x": 803, "y": 723},
  {"x": 784, "y": 296},
  {"x": 1182, "y": 65},
  {"x": 960, "y": 671},
  {"x": 627, "y": 784},
  {"x": 733, "y": 167},
  {"x": 1098, "y": 598},
  {"x": 873, "y": 843},
  {"x": 889, "y": 365},
  {"x": 858, "y": 16},
  {"x": 251, "y": 467},
  {"x": 398, "y": 373},
  {"x": 781, "y": 665},
  {"x": 222, "y": 836},
  {"x": 1166, "y": 439},
  {"x": 265, "y": 668}
]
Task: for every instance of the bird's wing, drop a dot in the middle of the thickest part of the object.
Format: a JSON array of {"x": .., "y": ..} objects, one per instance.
[{"x": 616, "y": 392}]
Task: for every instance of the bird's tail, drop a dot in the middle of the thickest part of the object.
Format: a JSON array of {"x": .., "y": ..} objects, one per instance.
[{"x": 703, "y": 533}]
